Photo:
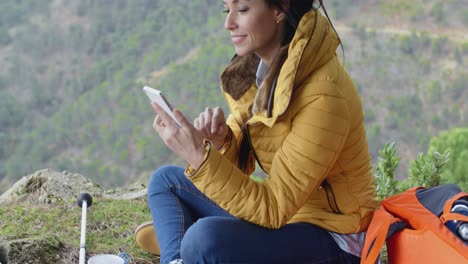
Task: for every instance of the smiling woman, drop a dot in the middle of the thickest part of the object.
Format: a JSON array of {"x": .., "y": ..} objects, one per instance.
[{"x": 294, "y": 111}]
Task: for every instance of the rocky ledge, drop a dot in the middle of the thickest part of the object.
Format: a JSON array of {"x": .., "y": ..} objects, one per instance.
[{"x": 48, "y": 188}]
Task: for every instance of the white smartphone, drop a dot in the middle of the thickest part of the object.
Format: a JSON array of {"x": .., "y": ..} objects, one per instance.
[{"x": 157, "y": 97}]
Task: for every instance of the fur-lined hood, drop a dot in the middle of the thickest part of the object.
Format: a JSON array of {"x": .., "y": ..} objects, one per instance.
[{"x": 313, "y": 44}]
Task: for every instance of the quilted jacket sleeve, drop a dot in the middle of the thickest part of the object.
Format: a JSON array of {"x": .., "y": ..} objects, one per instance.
[
  {"x": 320, "y": 124},
  {"x": 231, "y": 148}
]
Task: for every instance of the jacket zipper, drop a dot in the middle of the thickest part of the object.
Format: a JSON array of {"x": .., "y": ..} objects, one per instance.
[
  {"x": 331, "y": 197},
  {"x": 251, "y": 146}
]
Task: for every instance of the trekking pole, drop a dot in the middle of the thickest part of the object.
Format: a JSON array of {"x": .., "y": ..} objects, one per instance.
[{"x": 84, "y": 201}]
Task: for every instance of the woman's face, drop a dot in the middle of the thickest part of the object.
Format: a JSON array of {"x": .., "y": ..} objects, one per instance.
[{"x": 254, "y": 27}]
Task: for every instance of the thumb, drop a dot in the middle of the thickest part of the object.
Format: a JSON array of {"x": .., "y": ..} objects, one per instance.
[{"x": 182, "y": 119}]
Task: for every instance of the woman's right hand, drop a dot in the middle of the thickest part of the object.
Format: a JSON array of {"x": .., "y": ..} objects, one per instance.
[{"x": 212, "y": 124}]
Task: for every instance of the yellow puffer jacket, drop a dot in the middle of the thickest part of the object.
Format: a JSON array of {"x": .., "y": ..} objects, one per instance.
[{"x": 307, "y": 133}]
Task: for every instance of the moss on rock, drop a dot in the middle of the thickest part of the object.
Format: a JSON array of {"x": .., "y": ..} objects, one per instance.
[{"x": 32, "y": 250}]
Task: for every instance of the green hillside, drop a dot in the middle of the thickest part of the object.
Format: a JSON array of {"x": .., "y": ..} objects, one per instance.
[{"x": 72, "y": 73}]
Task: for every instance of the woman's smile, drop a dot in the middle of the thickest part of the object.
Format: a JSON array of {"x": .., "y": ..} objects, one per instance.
[{"x": 238, "y": 39}]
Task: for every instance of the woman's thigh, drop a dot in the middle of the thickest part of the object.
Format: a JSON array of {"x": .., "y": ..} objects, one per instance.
[
  {"x": 230, "y": 240},
  {"x": 169, "y": 183}
]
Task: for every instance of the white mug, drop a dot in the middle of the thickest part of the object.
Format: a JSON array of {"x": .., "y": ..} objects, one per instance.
[{"x": 106, "y": 259}]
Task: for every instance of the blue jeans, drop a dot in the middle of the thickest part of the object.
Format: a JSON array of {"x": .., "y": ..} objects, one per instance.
[{"x": 191, "y": 227}]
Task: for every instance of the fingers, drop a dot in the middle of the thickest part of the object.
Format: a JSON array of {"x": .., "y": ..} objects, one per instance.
[
  {"x": 211, "y": 122},
  {"x": 196, "y": 123},
  {"x": 200, "y": 120},
  {"x": 208, "y": 115},
  {"x": 203, "y": 122},
  {"x": 218, "y": 121},
  {"x": 158, "y": 124},
  {"x": 166, "y": 120}
]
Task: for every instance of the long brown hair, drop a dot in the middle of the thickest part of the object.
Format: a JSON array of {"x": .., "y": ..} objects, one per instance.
[{"x": 295, "y": 10}]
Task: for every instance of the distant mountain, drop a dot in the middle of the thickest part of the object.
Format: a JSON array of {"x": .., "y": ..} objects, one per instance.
[{"x": 72, "y": 73}]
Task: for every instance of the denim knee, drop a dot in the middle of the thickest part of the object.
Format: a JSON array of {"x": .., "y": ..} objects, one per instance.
[
  {"x": 159, "y": 178},
  {"x": 200, "y": 242}
]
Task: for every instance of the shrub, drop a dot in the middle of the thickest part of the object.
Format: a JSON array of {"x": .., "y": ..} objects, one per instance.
[
  {"x": 384, "y": 171},
  {"x": 438, "y": 45},
  {"x": 438, "y": 11},
  {"x": 435, "y": 91},
  {"x": 458, "y": 86},
  {"x": 426, "y": 170},
  {"x": 464, "y": 16}
]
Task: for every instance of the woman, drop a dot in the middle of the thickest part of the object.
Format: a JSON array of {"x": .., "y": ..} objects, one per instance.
[{"x": 295, "y": 111}]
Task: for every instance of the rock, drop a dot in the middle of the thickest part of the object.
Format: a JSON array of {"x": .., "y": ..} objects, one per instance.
[
  {"x": 3, "y": 251},
  {"x": 48, "y": 186},
  {"x": 134, "y": 191},
  {"x": 29, "y": 251}
]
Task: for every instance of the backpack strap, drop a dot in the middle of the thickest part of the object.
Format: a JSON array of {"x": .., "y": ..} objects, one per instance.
[
  {"x": 447, "y": 215},
  {"x": 376, "y": 235}
]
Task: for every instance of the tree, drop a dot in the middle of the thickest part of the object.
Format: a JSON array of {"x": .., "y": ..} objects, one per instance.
[
  {"x": 12, "y": 113},
  {"x": 454, "y": 141}
]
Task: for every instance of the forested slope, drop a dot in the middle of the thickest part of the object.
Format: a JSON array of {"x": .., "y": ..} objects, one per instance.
[{"x": 72, "y": 73}]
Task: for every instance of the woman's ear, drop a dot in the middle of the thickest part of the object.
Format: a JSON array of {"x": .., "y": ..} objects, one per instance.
[
  {"x": 280, "y": 16},
  {"x": 281, "y": 12}
]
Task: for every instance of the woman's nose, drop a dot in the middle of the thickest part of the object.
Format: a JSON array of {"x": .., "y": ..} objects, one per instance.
[{"x": 230, "y": 23}]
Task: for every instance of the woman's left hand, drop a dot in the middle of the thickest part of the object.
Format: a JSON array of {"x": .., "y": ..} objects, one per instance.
[{"x": 185, "y": 141}]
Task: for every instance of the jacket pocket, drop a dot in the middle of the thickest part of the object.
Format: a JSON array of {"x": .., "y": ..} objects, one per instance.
[{"x": 331, "y": 198}]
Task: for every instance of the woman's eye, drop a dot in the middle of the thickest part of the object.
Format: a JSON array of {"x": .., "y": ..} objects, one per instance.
[{"x": 242, "y": 9}]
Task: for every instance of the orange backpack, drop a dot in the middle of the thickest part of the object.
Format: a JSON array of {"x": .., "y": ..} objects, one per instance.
[{"x": 413, "y": 225}]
